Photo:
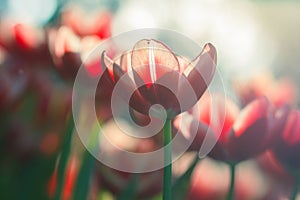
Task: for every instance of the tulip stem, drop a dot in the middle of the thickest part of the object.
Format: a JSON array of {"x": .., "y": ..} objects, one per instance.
[
  {"x": 167, "y": 182},
  {"x": 296, "y": 188},
  {"x": 230, "y": 195}
]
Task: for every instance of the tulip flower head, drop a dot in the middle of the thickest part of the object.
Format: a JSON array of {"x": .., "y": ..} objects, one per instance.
[
  {"x": 244, "y": 134},
  {"x": 158, "y": 76}
]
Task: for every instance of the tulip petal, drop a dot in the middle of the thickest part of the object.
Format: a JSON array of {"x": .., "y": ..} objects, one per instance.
[
  {"x": 254, "y": 111},
  {"x": 199, "y": 132},
  {"x": 219, "y": 112},
  {"x": 25, "y": 36},
  {"x": 200, "y": 71},
  {"x": 167, "y": 93},
  {"x": 66, "y": 41},
  {"x": 250, "y": 131},
  {"x": 151, "y": 59},
  {"x": 106, "y": 62},
  {"x": 291, "y": 132},
  {"x": 277, "y": 123},
  {"x": 137, "y": 100},
  {"x": 287, "y": 145}
]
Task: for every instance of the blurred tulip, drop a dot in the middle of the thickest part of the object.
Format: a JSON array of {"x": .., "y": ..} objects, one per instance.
[
  {"x": 69, "y": 50},
  {"x": 152, "y": 63},
  {"x": 287, "y": 144},
  {"x": 279, "y": 92},
  {"x": 98, "y": 23},
  {"x": 226, "y": 113},
  {"x": 64, "y": 47},
  {"x": 286, "y": 149},
  {"x": 269, "y": 161},
  {"x": 19, "y": 35},
  {"x": 243, "y": 135},
  {"x": 246, "y": 135},
  {"x": 24, "y": 41},
  {"x": 251, "y": 128}
]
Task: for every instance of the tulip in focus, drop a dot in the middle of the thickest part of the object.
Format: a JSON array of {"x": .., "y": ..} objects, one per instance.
[{"x": 151, "y": 63}]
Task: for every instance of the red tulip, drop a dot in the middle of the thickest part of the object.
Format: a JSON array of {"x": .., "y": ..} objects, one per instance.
[
  {"x": 227, "y": 110},
  {"x": 64, "y": 47},
  {"x": 19, "y": 36},
  {"x": 287, "y": 144},
  {"x": 242, "y": 136},
  {"x": 250, "y": 129},
  {"x": 24, "y": 41},
  {"x": 25, "y": 37},
  {"x": 98, "y": 24},
  {"x": 151, "y": 64}
]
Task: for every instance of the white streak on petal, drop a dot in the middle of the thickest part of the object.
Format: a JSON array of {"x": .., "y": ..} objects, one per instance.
[
  {"x": 152, "y": 66},
  {"x": 129, "y": 67}
]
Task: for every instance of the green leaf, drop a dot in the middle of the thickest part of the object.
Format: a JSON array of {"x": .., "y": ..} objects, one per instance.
[
  {"x": 64, "y": 158},
  {"x": 87, "y": 166},
  {"x": 84, "y": 177}
]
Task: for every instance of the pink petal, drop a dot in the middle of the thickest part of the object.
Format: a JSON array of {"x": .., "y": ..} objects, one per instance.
[
  {"x": 249, "y": 135},
  {"x": 291, "y": 132},
  {"x": 277, "y": 122},
  {"x": 250, "y": 143},
  {"x": 201, "y": 71},
  {"x": 218, "y": 112},
  {"x": 189, "y": 127},
  {"x": 151, "y": 59},
  {"x": 25, "y": 36},
  {"x": 254, "y": 111}
]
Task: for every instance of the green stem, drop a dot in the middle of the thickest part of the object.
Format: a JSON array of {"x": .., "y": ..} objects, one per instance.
[
  {"x": 230, "y": 195},
  {"x": 296, "y": 188},
  {"x": 84, "y": 177},
  {"x": 167, "y": 182}
]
